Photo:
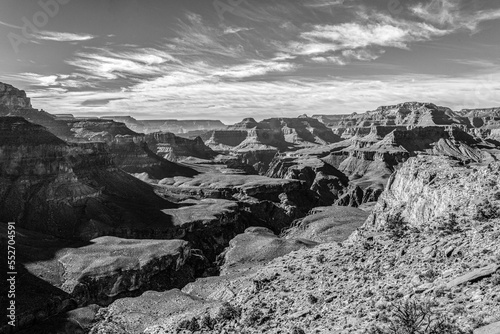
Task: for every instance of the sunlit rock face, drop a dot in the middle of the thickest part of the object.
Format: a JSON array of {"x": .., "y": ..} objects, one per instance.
[
  {"x": 427, "y": 188},
  {"x": 58, "y": 275},
  {"x": 174, "y": 148},
  {"x": 257, "y": 143},
  {"x": 13, "y": 98},
  {"x": 170, "y": 125}
]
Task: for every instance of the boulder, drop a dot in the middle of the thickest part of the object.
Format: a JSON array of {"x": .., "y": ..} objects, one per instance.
[
  {"x": 328, "y": 224},
  {"x": 256, "y": 247}
]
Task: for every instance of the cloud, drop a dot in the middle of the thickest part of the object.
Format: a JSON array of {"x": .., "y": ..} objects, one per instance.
[
  {"x": 265, "y": 66},
  {"x": 62, "y": 36},
  {"x": 105, "y": 63},
  {"x": 254, "y": 68},
  {"x": 232, "y": 101},
  {"x": 324, "y": 3},
  {"x": 355, "y": 39},
  {"x": 99, "y": 102},
  {"x": 451, "y": 14},
  {"x": 10, "y": 25},
  {"x": 235, "y": 30}
]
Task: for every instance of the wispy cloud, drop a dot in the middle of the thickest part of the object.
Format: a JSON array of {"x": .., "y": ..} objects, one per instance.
[
  {"x": 62, "y": 36},
  {"x": 264, "y": 62},
  {"x": 450, "y": 13},
  {"x": 5, "y": 24},
  {"x": 324, "y": 3},
  {"x": 363, "y": 40}
]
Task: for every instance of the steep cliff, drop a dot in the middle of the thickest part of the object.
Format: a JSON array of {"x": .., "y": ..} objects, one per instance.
[
  {"x": 69, "y": 190},
  {"x": 174, "y": 148},
  {"x": 311, "y": 167},
  {"x": 168, "y": 125},
  {"x": 429, "y": 188},
  {"x": 57, "y": 275}
]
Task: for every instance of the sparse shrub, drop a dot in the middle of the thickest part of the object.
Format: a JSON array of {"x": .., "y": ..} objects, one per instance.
[
  {"x": 414, "y": 317},
  {"x": 486, "y": 211},
  {"x": 440, "y": 291},
  {"x": 312, "y": 299},
  {"x": 429, "y": 275},
  {"x": 321, "y": 258},
  {"x": 458, "y": 309},
  {"x": 229, "y": 312},
  {"x": 190, "y": 325},
  {"x": 495, "y": 279},
  {"x": 254, "y": 317},
  {"x": 478, "y": 321},
  {"x": 396, "y": 226},
  {"x": 448, "y": 225},
  {"x": 207, "y": 322},
  {"x": 297, "y": 330}
]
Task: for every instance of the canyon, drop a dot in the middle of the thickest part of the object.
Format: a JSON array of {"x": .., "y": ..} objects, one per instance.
[{"x": 135, "y": 226}]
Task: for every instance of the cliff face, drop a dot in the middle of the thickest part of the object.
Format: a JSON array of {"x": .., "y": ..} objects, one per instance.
[
  {"x": 429, "y": 188},
  {"x": 68, "y": 190},
  {"x": 57, "y": 275},
  {"x": 171, "y": 125},
  {"x": 320, "y": 176},
  {"x": 13, "y": 98},
  {"x": 403, "y": 114},
  {"x": 381, "y": 153},
  {"x": 99, "y": 130},
  {"x": 174, "y": 148},
  {"x": 257, "y": 143}
]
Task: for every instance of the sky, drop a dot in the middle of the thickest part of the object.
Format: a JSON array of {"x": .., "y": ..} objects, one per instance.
[{"x": 231, "y": 59}]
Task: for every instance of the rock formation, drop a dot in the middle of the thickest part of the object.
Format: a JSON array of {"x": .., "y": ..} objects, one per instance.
[
  {"x": 328, "y": 224},
  {"x": 168, "y": 125},
  {"x": 432, "y": 237},
  {"x": 69, "y": 190},
  {"x": 76, "y": 274},
  {"x": 310, "y": 166},
  {"x": 256, "y": 143},
  {"x": 174, "y": 148},
  {"x": 266, "y": 202}
]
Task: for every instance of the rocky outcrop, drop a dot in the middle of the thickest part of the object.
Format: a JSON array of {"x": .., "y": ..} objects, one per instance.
[
  {"x": 256, "y": 247},
  {"x": 328, "y": 224},
  {"x": 373, "y": 158},
  {"x": 427, "y": 189},
  {"x": 69, "y": 190},
  {"x": 257, "y": 143},
  {"x": 137, "y": 158},
  {"x": 271, "y": 203},
  {"x": 155, "y": 312},
  {"x": 403, "y": 114},
  {"x": 309, "y": 166},
  {"x": 174, "y": 148},
  {"x": 76, "y": 274},
  {"x": 98, "y": 130},
  {"x": 225, "y": 140},
  {"x": 12, "y": 98},
  {"x": 168, "y": 125}
]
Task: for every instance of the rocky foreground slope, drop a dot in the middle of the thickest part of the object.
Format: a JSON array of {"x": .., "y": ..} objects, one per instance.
[{"x": 432, "y": 239}]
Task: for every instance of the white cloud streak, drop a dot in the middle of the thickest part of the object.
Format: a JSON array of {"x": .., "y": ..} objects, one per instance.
[{"x": 62, "y": 36}]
